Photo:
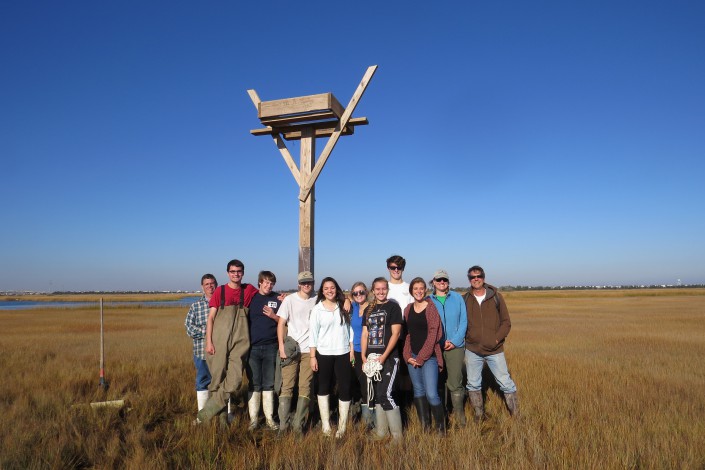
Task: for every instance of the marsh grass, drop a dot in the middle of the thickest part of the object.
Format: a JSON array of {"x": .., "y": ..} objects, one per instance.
[{"x": 605, "y": 381}]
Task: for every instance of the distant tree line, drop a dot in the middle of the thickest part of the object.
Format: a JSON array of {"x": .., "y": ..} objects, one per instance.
[{"x": 643, "y": 286}]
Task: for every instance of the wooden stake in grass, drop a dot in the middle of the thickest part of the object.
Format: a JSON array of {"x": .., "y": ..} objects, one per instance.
[{"x": 102, "y": 384}]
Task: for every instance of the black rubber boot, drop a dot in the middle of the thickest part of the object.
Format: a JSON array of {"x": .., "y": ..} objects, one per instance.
[
  {"x": 439, "y": 417},
  {"x": 458, "y": 408},
  {"x": 423, "y": 411}
]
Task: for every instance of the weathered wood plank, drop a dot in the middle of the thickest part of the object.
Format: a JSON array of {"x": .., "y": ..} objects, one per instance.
[
  {"x": 303, "y": 117},
  {"x": 255, "y": 98},
  {"x": 299, "y": 105},
  {"x": 288, "y": 159},
  {"x": 319, "y": 134},
  {"x": 322, "y": 129},
  {"x": 306, "y": 208}
]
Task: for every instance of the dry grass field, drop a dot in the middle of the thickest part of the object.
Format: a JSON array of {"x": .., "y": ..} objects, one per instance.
[{"x": 607, "y": 379}]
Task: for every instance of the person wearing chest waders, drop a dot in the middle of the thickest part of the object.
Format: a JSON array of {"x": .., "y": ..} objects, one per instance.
[{"x": 227, "y": 341}]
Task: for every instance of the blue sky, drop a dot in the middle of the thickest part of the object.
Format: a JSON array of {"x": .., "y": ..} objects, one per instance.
[{"x": 551, "y": 142}]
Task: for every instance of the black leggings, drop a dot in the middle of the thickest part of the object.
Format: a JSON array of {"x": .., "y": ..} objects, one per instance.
[
  {"x": 338, "y": 366},
  {"x": 385, "y": 387}
]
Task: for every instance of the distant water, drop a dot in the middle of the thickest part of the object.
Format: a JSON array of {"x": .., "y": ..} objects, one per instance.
[{"x": 32, "y": 304}]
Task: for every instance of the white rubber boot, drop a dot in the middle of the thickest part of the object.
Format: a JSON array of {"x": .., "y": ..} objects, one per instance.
[
  {"x": 201, "y": 398},
  {"x": 381, "y": 424},
  {"x": 253, "y": 401},
  {"x": 268, "y": 407},
  {"x": 343, "y": 411},
  {"x": 394, "y": 420},
  {"x": 324, "y": 410}
]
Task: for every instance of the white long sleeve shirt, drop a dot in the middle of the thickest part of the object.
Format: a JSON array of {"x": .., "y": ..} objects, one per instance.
[{"x": 327, "y": 335}]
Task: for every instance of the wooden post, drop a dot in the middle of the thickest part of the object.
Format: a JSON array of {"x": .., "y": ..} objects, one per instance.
[
  {"x": 102, "y": 382},
  {"x": 306, "y": 207}
]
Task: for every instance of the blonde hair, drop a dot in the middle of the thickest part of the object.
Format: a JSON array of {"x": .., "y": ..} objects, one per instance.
[{"x": 371, "y": 306}]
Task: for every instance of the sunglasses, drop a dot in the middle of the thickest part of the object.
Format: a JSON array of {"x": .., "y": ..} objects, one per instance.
[
  {"x": 441, "y": 279},
  {"x": 359, "y": 292},
  {"x": 476, "y": 276},
  {"x": 394, "y": 268}
]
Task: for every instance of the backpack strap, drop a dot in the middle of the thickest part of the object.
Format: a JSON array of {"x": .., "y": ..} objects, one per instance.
[{"x": 222, "y": 296}]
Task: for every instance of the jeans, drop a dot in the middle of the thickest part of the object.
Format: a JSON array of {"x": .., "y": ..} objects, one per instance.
[
  {"x": 498, "y": 366},
  {"x": 425, "y": 380},
  {"x": 203, "y": 375},
  {"x": 260, "y": 367}
]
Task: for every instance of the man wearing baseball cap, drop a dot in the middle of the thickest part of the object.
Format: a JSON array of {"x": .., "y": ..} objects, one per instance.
[
  {"x": 454, "y": 317},
  {"x": 294, "y": 314}
]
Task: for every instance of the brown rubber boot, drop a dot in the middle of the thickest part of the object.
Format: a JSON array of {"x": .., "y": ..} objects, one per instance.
[
  {"x": 478, "y": 405},
  {"x": 512, "y": 401}
]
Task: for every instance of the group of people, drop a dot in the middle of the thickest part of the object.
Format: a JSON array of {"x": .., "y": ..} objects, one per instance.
[{"x": 351, "y": 346}]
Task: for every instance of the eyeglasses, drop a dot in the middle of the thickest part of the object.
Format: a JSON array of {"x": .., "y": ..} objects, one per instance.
[
  {"x": 475, "y": 276},
  {"x": 359, "y": 292},
  {"x": 236, "y": 271},
  {"x": 441, "y": 279},
  {"x": 395, "y": 268}
]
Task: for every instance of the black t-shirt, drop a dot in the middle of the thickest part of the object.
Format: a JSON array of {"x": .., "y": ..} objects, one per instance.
[
  {"x": 379, "y": 326},
  {"x": 263, "y": 330},
  {"x": 417, "y": 326}
]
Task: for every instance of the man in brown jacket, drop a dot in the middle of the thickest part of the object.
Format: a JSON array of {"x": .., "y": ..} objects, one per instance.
[{"x": 488, "y": 326}]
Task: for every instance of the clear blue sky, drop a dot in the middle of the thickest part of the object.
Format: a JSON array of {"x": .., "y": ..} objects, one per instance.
[{"x": 551, "y": 142}]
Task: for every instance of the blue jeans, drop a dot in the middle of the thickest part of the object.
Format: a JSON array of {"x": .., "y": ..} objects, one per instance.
[
  {"x": 425, "y": 380},
  {"x": 203, "y": 375},
  {"x": 260, "y": 367},
  {"x": 498, "y": 366}
]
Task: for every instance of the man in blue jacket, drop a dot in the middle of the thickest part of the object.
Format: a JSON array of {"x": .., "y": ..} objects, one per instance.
[{"x": 451, "y": 307}]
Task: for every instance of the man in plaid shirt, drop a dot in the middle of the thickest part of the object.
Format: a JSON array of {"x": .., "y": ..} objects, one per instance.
[{"x": 196, "y": 319}]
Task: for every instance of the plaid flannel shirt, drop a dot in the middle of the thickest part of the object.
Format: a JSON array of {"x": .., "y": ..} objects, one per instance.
[{"x": 196, "y": 320}]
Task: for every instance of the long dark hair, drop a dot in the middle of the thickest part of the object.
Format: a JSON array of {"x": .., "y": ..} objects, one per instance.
[{"x": 339, "y": 299}]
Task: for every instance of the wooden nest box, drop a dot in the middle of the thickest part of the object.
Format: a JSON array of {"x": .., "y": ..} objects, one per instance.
[
  {"x": 309, "y": 108},
  {"x": 321, "y": 113}
]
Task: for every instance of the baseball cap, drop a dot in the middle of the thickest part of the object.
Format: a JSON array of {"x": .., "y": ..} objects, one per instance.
[
  {"x": 305, "y": 276},
  {"x": 441, "y": 273}
]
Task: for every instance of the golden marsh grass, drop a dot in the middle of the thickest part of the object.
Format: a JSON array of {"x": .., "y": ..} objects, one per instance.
[{"x": 607, "y": 379}]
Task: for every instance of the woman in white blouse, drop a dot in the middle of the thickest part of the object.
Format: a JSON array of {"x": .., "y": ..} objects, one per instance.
[{"x": 331, "y": 339}]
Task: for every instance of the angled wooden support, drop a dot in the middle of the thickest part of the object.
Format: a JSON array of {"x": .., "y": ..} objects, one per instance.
[
  {"x": 333, "y": 139},
  {"x": 288, "y": 159}
]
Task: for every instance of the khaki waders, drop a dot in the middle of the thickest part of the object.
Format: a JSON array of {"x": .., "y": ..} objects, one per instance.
[{"x": 231, "y": 339}]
